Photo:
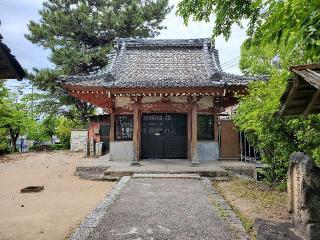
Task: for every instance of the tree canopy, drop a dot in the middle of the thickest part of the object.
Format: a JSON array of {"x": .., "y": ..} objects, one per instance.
[
  {"x": 80, "y": 33},
  {"x": 289, "y": 28},
  {"x": 286, "y": 31},
  {"x": 14, "y": 120}
]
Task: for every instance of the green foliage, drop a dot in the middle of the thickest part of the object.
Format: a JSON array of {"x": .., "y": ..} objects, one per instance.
[
  {"x": 307, "y": 135},
  {"x": 226, "y": 12},
  {"x": 58, "y": 146},
  {"x": 289, "y": 27},
  {"x": 49, "y": 126},
  {"x": 255, "y": 116},
  {"x": 36, "y": 148},
  {"x": 276, "y": 137},
  {"x": 255, "y": 60},
  {"x": 35, "y": 131},
  {"x": 64, "y": 128},
  {"x": 80, "y": 34},
  {"x": 13, "y": 118},
  {"x": 294, "y": 26},
  {"x": 4, "y": 142}
]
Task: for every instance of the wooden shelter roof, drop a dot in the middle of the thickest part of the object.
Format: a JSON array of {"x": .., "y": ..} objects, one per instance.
[
  {"x": 302, "y": 92},
  {"x": 156, "y": 63},
  {"x": 9, "y": 66}
]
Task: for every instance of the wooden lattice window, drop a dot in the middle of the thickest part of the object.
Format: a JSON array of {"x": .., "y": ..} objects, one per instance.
[
  {"x": 124, "y": 127},
  {"x": 205, "y": 127}
]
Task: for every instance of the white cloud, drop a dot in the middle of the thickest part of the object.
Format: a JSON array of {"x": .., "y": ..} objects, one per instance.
[
  {"x": 228, "y": 50},
  {"x": 15, "y": 15}
]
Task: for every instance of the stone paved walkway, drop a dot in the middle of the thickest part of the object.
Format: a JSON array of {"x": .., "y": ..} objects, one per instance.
[{"x": 151, "y": 208}]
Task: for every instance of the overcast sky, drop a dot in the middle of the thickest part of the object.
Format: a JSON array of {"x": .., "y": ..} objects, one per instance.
[{"x": 15, "y": 15}]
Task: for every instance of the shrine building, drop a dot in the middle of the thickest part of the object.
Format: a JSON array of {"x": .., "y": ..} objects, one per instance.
[{"x": 164, "y": 99}]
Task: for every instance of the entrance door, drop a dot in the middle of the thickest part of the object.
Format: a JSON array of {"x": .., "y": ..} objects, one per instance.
[
  {"x": 164, "y": 135},
  {"x": 105, "y": 136}
]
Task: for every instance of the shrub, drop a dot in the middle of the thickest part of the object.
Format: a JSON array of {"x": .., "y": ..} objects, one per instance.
[
  {"x": 5, "y": 148},
  {"x": 38, "y": 147},
  {"x": 64, "y": 131},
  {"x": 58, "y": 146},
  {"x": 276, "y": 137}
]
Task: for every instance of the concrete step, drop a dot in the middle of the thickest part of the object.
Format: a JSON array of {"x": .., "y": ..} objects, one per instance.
[{"x": 179, "y": 176}]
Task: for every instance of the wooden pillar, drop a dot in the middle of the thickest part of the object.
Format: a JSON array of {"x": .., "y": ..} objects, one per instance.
[
  {"x": 189, "y": 134},
  {"x": 112, "y": 127},
  {"x": 136, "y": 135},
  {"x": 194, "y": 135}
]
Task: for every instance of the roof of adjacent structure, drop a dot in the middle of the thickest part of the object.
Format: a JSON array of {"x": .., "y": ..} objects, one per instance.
[
  {"x": 139, "y": 63},
  {"x": 302, "y": 95},
  {"x": 9, "y": 66}
]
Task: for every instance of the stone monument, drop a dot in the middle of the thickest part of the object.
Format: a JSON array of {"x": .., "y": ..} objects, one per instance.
[
  {"x": 91, "y": 147},
  {"x": 304, "y": 196},
  {"x": 99, "y": 149},
  {"x": 86, "y": 149}
]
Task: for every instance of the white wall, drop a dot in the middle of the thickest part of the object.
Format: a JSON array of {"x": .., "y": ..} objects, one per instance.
[
  {"x": 121, "y": 150},
  {"x": 207, "y": 151},
  {"x": 78, "y": 139}
]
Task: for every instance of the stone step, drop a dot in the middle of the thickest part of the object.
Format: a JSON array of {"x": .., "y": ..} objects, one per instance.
[
  {"x": 121, "y": 173},
  {"x": 179, "y": 176},
  {"x": 92, "y": 172}
]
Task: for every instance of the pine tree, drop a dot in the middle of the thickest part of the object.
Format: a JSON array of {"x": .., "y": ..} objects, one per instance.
[{"x": 80, "y": 33}]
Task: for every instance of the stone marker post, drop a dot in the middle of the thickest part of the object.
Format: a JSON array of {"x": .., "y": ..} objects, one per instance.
[
  {"x": 86, "y": 148},
  {"x": 91, "y": 147},
  {"x": 304, "y": 196},
  {"x": 99, "y": 148}
]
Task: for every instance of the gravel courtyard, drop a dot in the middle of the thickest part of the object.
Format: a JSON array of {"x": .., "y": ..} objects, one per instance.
[{"x": 56, "y": 211}]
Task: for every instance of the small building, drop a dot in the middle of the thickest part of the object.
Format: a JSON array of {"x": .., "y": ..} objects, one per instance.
[
  {"x": 164, "y": 98},
  {"x": 302, "y": 95},
  {"x": 99, "y": 130}
]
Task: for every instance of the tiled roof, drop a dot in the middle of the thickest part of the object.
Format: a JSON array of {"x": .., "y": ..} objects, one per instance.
[
  {"x": 9, "y": 66},
  {"x": 138, "y": 63}
]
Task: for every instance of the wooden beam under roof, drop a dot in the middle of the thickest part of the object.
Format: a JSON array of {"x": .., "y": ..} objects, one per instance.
[
  {"x": 290, "y": 97},
  {"x": 311, "y": 104},
  {"x": 302, "y": 97}
]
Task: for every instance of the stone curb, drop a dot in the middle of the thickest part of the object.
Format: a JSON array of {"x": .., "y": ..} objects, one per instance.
[
  {"x": 224, "y": 209},
  {"x": 176, "y": 176},
  {"x": 93, "y": 219}
]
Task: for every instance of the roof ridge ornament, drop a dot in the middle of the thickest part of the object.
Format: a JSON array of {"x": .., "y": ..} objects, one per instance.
[{"x": 213, "y": 71}]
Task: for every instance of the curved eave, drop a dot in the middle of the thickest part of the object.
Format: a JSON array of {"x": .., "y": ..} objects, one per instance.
[
  {"x": 10, "y": 68},
  {"x": 103, "y": 95}
]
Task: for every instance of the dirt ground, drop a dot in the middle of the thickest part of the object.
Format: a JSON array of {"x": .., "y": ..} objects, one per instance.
[
  {"x": 56, "y": 211},
  {"x": 255, "y": 200}
]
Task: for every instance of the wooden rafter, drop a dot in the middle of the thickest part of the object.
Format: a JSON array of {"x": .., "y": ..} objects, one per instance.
[
  {"x": 310, "y": 76},
  {"x": 290, "y": 97},
  {"x": 312, "y": 102}
]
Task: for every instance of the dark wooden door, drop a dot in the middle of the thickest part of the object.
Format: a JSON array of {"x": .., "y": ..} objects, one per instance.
[
  {"x": 105, "y": 136},
  {"x": 164, "y": 135}
]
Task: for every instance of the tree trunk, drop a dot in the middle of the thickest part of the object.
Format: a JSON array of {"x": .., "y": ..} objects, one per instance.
[
  {"x": 14, "y": 142},
  {"x": 13, "y": 136}
]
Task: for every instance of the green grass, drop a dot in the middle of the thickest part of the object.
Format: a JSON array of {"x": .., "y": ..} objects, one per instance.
[
  {"x": 261, "y": 200},
  {"x": 246, "y": 222}
]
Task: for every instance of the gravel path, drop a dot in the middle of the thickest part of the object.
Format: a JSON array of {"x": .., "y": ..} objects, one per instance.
[{"x": 167, "y": 209}]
